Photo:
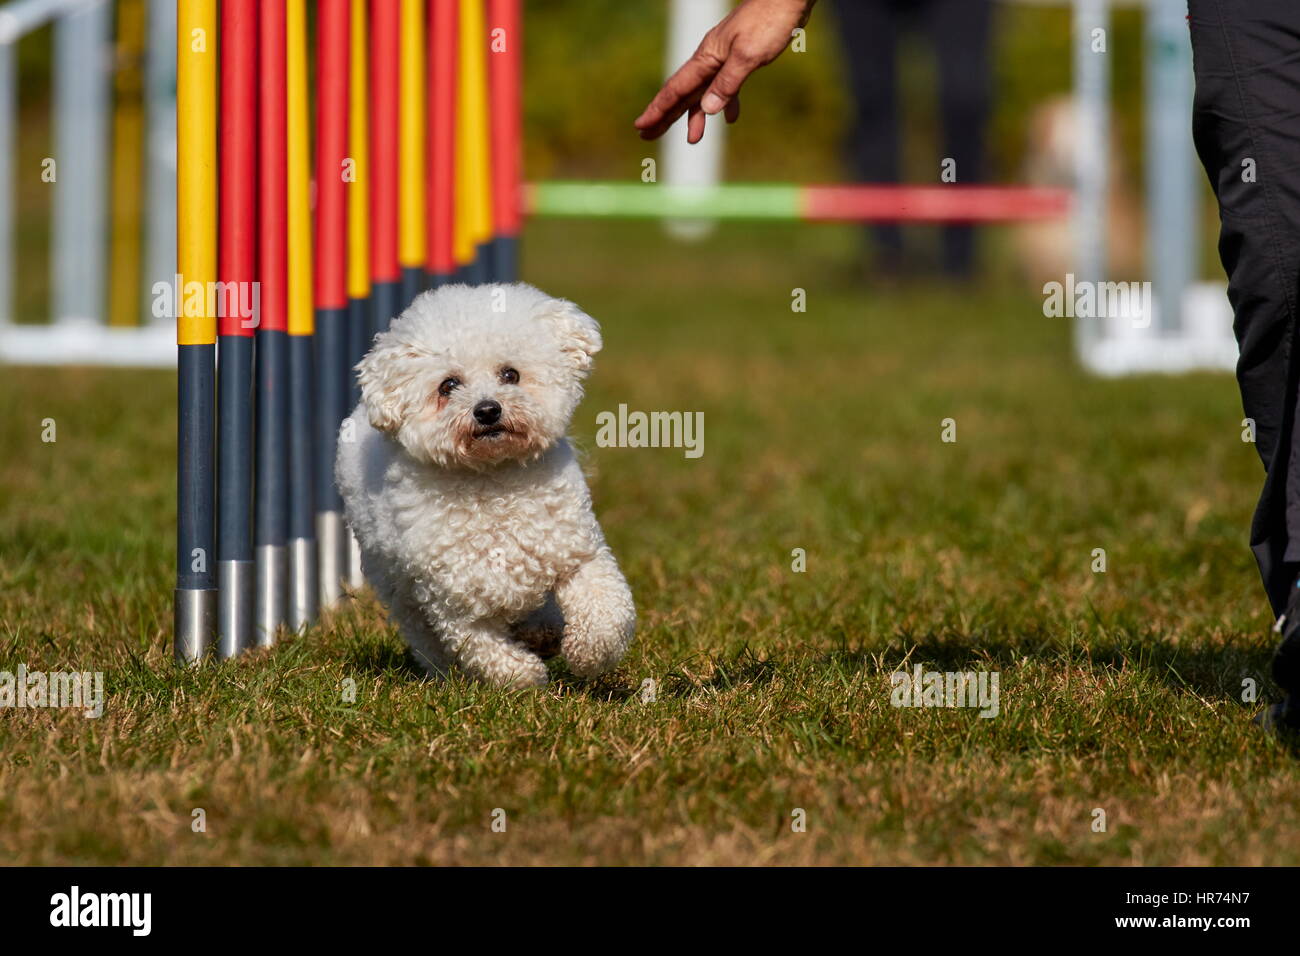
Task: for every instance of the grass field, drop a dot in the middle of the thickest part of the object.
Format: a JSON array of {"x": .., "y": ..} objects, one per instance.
[{"x": 1119, "y": 690}]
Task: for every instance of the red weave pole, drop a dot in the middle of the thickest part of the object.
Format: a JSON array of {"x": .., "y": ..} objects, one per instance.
[
  {"x": 237, "y": 152},
  {"x": 273, "y": 245},
  {"x": 505, "y": 108},
  {"x": 933, "y": 203},
  {"x": 385, "y": 29},
  {"x": 332, "y": 83},
  {"x": 443, "y": 25}
]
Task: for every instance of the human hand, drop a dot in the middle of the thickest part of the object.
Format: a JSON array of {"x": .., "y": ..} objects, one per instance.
[{"x": 752, "y": 35}]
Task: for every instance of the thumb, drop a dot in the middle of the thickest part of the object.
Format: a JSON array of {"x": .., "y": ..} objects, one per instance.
[{"x": 726, "y": 84}]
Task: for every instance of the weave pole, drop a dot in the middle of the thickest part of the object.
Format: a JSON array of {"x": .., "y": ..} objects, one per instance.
[
  {"x": 237, "y": 271},
  {"x": 196, "y": 334},
  {"x": 333, "y": 378},
  {"x": 473, "y": 205},
  {"x": 304, "y": 591},
  {"x": 271, "y": 499},
  {"x": 443, "y": 44},
  {"x": 385, "y": 273},
  {"x": 358, "y": 197},
  {"x": 411, "y": 228},
  {"x": 505, "y": 53},
  {"x": 358, "y": 231}
]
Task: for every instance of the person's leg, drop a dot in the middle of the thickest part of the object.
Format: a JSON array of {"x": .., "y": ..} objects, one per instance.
[
  {"x": 961, "y": 32},
  {"x": 1246, "y": 125},
  {"x": 869, "y": 35}
]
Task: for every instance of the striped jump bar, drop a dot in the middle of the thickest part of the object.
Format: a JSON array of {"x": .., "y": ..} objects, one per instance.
[{"x": 775, "y": 201}]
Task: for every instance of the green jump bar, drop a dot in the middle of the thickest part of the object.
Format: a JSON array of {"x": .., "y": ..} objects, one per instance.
[{"x": 650, "y": 201}]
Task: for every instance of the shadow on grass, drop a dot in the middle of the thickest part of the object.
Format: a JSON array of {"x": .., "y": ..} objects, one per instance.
[
  {"x": 744, "y": 669},
  {"x": 1211, "y": 673},
  {"x": 385, "y": 659}
]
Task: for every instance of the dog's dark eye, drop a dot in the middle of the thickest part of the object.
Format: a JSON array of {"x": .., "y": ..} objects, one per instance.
[
  {"x": 448, "y": 386},
  {"x": 509, "y": 376}
]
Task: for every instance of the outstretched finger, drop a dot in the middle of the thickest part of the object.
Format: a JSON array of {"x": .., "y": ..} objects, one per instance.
[
  {"x": 726, "y": 84},
  {"x": 679, "y": 92},
  {"x": 695, "y": 125}
]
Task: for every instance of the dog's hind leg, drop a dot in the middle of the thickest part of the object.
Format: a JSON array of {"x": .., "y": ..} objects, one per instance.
[
  {"x": 542, "y": 630},
  {"x": 404, "y": 612},
  {"x": 599, "y": 617},
  {"x": 423, "y": 639},
  {"x": 485, "y": 651}
]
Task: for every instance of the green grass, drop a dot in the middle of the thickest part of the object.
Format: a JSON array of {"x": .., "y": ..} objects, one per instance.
[{"x": 1120, "y": 691}]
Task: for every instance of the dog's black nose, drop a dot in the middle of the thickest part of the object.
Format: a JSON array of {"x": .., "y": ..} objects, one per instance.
[{"x": 487, "y": 412}]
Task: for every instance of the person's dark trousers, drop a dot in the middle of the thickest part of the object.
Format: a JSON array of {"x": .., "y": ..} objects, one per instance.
[
  {"x": 960, "y": 34},
  {"x": 1246, "y": 124}
]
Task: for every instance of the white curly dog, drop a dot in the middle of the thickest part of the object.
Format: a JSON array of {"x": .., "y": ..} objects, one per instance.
[{"x": 472, "y": 513}]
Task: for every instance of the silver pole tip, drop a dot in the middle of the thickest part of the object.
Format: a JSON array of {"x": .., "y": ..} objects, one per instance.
[
  {"x": 236, "y": 607},
  {"x": 304, "y": 590},
  {"x": 196, "y": 623}
]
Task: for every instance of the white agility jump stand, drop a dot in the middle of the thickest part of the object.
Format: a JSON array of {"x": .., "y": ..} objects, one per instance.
[
  {"x": 78, "y": 333},
  {"x": 683, "y": 164},
  {"x": 1190, "y": 323}
]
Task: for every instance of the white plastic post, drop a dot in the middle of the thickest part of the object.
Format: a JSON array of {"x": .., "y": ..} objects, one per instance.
[
  {"x": 681, "y": 163},
  {"x": 8, "y": 109},
  {"x": 16, "y": 20},
  {"x": 160, "y": 162},
  {"x": 82, "y": 51},
  {"x": 1170, "y": 156},
  {"x": 1091, "y": 34}
]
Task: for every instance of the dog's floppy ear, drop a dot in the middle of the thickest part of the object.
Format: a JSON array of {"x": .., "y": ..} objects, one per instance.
[
  {"x": 389, "y": 377},
  {"x": 578, "y": 332}
]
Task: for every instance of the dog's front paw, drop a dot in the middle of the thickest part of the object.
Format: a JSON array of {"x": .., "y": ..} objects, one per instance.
[
  {"x": 521, "y": 673},
  {"x": 599, "y": 617},
  {"x": 502, "y": 663},
  {"x": 597, "y": 645}
]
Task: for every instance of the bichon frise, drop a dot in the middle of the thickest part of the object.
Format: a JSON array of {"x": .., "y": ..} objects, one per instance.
[{"x": 472, "y": 513}]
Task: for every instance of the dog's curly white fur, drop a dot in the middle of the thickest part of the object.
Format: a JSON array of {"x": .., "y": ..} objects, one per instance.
[{"x": 472, "y": 513}]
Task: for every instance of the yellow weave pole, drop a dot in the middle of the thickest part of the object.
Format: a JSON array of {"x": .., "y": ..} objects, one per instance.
[
  {"x": 195, "y": 597},
  {"x": 196, "y": 174},
  {"x": 473, "y": 173},
  {"x": 298, "y": 161},
  {"x": 128, "y": 166},
  {"x": 412, "y": 233},
  {"x": 359, "y": 151}
]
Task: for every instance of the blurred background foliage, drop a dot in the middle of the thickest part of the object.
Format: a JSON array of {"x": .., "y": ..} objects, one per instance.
[{"x": 592, "y": 64}]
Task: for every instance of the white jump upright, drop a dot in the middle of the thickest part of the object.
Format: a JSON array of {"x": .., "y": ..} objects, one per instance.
[
  {"x": 1090, "y": 40},
  {"x": 16, "y": 21},
  {"x": 1188, "y": 324},
  {"x": 77, "y": 333},
  {"x": 160, "y": 155},
  {"x": 683, "y": 164},
  {"x": 82, "y": 106}
]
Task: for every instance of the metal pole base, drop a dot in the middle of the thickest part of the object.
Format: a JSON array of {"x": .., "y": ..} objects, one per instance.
[
  {"x": 272, "y": 592},
  {"x": 236, "y": 608},
  {"x": 304, "y": 592},
  {"x": 331, "y": 540},
  {"x": 196, "y": 623},
  {"x": 356, "y": 578}
]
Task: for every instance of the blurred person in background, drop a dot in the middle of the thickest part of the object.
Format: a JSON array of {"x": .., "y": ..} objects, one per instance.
[
  {"x": 959, "y": 32},
  {"x": 1246, "y": 126}
]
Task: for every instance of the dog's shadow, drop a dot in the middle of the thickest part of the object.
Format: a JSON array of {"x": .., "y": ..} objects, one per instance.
[{"x": 386, "y": 655}]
